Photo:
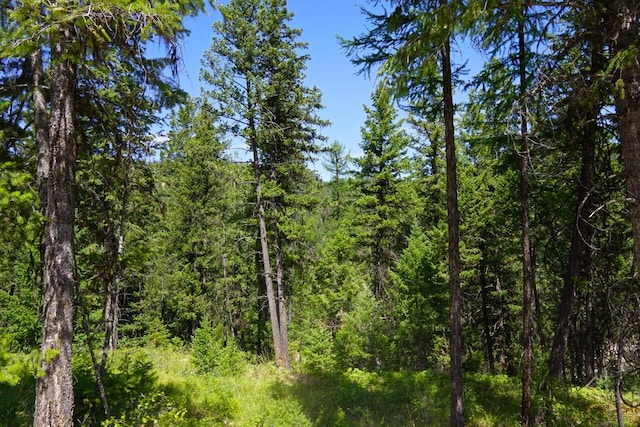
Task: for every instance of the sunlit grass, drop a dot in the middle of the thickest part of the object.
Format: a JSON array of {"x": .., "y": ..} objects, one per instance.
[
  {"x": 154, "y": 386},
  {"x": 264, "y": 395}
]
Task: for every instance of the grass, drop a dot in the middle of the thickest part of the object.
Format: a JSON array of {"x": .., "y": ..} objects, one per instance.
[
  {"x": 161, "y": 387},
  {"x": 263, "y": 396}
]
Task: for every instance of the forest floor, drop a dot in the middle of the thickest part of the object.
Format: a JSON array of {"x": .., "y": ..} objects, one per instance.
[
  {"x": 160, "y": 386},
  {"x": 261, "y": 395}
]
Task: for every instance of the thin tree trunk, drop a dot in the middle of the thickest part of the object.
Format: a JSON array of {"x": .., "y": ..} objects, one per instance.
[
  {"x": 266, "y": 260},
  {"x": 527, "y": 268},
  {"x": 41, "y": 129},
  {"x": 455, "y": 306},
  {"x": 282, "y": 303},
  {"x": 114, "y": 275},
  {"x": 506, "y": 360},
  {"x": 486, "y": 322},
  {"x": 54, "y": 385},
  {"x": 579, "y": 253}
]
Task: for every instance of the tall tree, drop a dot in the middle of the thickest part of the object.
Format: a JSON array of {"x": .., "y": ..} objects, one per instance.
[
  {"x": 413, "y": 43},
  {"x": 582, "y": 117},
  {"x": 255, "y": 67},
  {"x": 621, "y": 31},
  {"x": 386, "y": 200},
  {"x": 62, "y": 29},
  {"x": 527, "y": 265}
]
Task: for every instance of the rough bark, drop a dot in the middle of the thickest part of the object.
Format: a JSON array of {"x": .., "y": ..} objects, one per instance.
[
  {"x": 527, "y": 267},
  {"x": 282, "y": 304},
  {"x": 622, "y": 20},
  {"x": 453, "y": 219},
  {"x": 54, "y": 385}
]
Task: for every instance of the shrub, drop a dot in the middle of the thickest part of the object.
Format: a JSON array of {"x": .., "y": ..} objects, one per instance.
[{"x": 210, "y": 354}]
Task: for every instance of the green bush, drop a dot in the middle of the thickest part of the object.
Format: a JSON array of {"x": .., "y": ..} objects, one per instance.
[
  {"x": 17, "y": 385},
  {"x": 129, "y": 382},
  {"x": 210, "y": 354}
]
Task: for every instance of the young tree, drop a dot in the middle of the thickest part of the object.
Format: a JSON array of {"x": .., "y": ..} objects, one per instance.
[{"x": 387, "y": 198}]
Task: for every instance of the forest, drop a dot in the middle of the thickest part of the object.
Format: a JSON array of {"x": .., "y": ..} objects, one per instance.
[{"x": 478, "y": 263}]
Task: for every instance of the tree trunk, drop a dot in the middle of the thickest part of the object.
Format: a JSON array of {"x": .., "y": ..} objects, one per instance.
[
  {"x": 54, "y": 384},
  {"x": 268, "y": 277},
  {"x": 486, "y": 321},
  {"x": 278, "y": 345},
  {"x": 527, "y": 268},
  {"x": 455, "y": 306},
  {"x": 579, "y": 253},
  {"x": 623, "y": 27},
  {"x": 504, "y": 331},
  {"x": 282, "y": 304},
  {"x": 41, "y": 129}
]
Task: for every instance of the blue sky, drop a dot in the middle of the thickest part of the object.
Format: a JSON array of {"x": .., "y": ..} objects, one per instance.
[{"x": 343, "y": 91}]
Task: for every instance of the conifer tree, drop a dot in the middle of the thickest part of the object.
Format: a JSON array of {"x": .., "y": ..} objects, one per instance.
[
  {"x": 387, "y": 199},
  {"x": 74, "y": 36},
  {"x": 255, "y": 70}
]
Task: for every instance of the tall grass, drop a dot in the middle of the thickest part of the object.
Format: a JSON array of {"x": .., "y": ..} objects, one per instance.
[{"x": 155, "y": 386}]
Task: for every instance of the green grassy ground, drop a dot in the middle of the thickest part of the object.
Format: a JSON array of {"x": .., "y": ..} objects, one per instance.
[
  {"x": 161, "y": 387},
  {"x": 261, "y": 395}
]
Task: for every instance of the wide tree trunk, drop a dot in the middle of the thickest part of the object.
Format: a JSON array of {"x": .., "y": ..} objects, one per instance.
[
  {"x": 622, "y": 20},
  {"x": 453, "y": 219},
  {"x": 54, "y": 384}
]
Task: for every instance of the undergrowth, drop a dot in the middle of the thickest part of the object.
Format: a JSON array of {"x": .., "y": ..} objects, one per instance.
[{"x": 155, "y": 386}]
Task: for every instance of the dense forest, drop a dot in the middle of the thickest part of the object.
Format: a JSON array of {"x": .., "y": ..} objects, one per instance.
[{"x": 479, "y": 254}]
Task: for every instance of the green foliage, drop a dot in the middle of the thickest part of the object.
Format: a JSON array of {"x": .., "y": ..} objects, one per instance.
[
  {"x": 152, "y": 410},
  {"x": 17, "y": 385},
  {"x": 420, "y": 304},
  {"x": 388, "y": 202},
  {"x": 129, "y": 381},
  {"x": 363, "y": 338},
  {"x": 211, "y": 355}
]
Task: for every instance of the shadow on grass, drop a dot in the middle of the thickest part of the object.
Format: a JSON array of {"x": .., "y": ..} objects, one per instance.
[{"x": 358, "y": 398}]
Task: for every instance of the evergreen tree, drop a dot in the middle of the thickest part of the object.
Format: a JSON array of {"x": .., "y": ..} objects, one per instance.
[
  {"x": 64, "y": 30},
  {"x": 387, "y": 198},
  {"x": 255, "y": 69}
]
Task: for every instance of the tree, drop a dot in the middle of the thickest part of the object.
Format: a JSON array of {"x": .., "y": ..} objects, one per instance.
[
  {"x": 582, "y": 116},
  {"x": 255, "y": 68},
  {"x": 414, "y": 45},
  {"x": 621, "y": 17},
  {"x": 387, "y": 200},
  {"x": 64, "y": 28}
]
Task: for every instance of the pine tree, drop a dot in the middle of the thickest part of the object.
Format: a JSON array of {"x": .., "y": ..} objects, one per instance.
[
  {"x": 255, "y": 69},
  {"x": 387, "y": 198},
  {"x": 64, "y": 30}
]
